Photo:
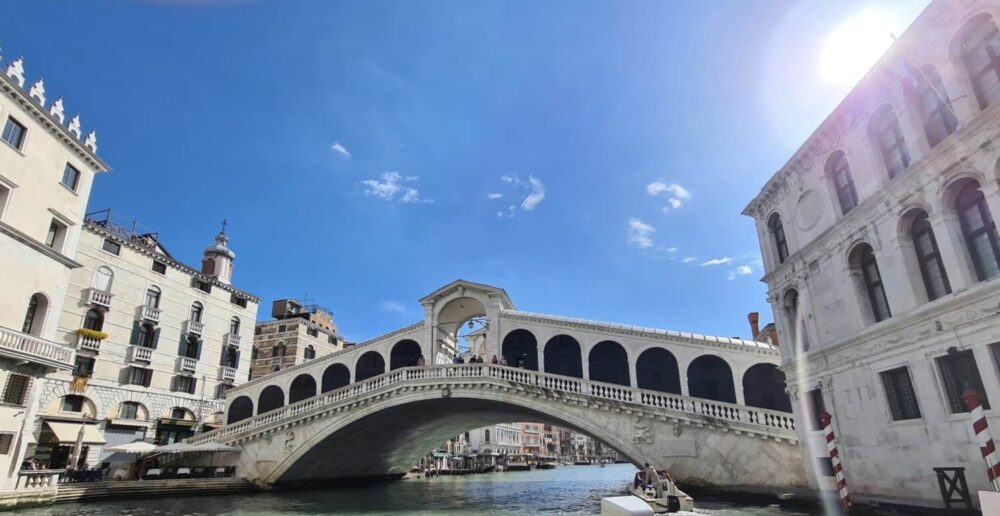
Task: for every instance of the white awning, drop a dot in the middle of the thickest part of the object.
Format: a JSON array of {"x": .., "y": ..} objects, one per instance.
[{"x": 67, "y": 433}]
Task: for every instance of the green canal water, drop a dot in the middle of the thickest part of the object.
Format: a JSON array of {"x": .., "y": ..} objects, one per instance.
[{"x": 564, "y": 490}]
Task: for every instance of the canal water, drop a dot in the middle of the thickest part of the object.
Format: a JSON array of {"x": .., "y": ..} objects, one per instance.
[{"x": 569, "y": 490}]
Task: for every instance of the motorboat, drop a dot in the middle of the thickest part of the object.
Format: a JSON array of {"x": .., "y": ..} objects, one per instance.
[
  {"x": 546, "y": 462},
  {"x": 668, "y": 498},
  {"x": 518, "y": 462}
]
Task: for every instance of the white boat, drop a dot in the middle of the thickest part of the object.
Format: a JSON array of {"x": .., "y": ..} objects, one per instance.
[{"x": 669, "y": 499}]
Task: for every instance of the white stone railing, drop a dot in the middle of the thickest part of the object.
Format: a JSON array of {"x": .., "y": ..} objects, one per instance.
[
  {"x": 38, "y": 478},
  {"x": 227, "y": 374},
  {"x": 148, "y": 313},
  {"x": 99, "y": 297},
  {"x": 34, "y": 346},
  {"x": 139, "y": 353},
  {"x": 233, "y": 339},
  {"x": 193, "y": 327},
  {"x": 187, "y": 364},
  {"x": 772, "y": 422},
  {"x": 85, "y": 342}
]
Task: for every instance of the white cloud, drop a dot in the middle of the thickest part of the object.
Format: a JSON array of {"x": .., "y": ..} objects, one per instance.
[
  {"x": 394, "y": 307},
  {"x": 391, "y": 184},
  {"x": 689, "y": 259},
  {"x": 536, "y": 196},
  {"x": 340, "y": 149},
  {"x": 640, "y": 234},
  {"x": 494, "y": 195},
  {"x": 742, "y": 270},
  {"x": 676, "y": 194},
  {"x": 506, "y": 179},
  {"x": 716, "y": 261},
  {"x": 671, "y": 250}
]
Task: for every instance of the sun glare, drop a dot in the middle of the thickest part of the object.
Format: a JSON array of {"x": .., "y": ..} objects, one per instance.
[{"x": 854, "y": 46}]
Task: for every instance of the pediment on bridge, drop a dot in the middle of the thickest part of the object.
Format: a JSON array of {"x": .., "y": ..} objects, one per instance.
[{"x": 461, "y": 284}]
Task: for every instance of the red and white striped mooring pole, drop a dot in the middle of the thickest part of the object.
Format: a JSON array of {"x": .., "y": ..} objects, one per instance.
[
  {"x": 838, "y": 468},
  {"x": 982, "y": 430}
]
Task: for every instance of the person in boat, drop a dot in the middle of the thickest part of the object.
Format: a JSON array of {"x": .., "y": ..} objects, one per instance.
[{"x": 651, "y": 477}]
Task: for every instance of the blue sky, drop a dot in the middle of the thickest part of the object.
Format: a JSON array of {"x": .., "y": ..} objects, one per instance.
[{"x": 590, "y": 157}]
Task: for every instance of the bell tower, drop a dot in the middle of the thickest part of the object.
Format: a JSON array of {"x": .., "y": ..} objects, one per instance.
[{"x": 218, "y": 258}]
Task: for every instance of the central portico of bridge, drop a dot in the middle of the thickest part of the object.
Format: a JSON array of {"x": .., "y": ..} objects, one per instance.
[{"x": 712, "y": 409}]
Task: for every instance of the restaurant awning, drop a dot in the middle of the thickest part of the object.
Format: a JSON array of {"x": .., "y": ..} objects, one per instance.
[{"x": 66, "y": 433}]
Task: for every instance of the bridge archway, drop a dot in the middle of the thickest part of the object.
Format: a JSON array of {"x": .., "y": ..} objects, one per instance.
[
  {"x": 520, "y": 348},
  {"x": 563, "y": 356},
  {"x": 241, "y": 408},
  {"x": 608, "y": 362},
  {"x": 711, "y": 378},
  {"x": 370, "y": 364},
  {"x": 335, "y": 377},
  {"x": 451, "y": 317},
  {"x": 656, "y": 369},
  {"x": 404, "y": 354},
  {"x": 303, "y": 386},
  {"x": 272, "y": 397},
  {"x": 764, "y": 387}
]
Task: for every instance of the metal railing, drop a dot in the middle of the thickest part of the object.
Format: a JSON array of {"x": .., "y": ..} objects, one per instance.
[
  {"x": 148, "y": 313},
  {"x": 193, "y": 327},
  {"x": 34, "y": 346},
  {"x": 102, "y": 298},
  {"x": 773, "y": 422}
]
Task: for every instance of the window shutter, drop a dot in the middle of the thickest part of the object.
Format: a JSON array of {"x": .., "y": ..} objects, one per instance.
[
  {"x": 236, "y": 360},
  {"x": 134, "y": 339},
  {"x": 147, "y": 377},
  {"x": 156, "y": 337},
  {"x": 183, "y": 347},
  {"x": 191, "y": 385},
  {"x": 197, "y": 354}
]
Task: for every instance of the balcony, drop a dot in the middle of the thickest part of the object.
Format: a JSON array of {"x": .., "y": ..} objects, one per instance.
[
  {"x": 85, "y": 342},
  {"x": 232, "y": 339},
  {"x": 140, "y": 354},
  {"x": 33, "y": 349},
  {"x": 193, "y": 327},
  {"x": 227, "y": 374},
  {"x": 148, "y": 314},
  {"x": 99, "y": 298},
  {"x": 276, "y": 361},
  {"x": 185, "y": 364}
]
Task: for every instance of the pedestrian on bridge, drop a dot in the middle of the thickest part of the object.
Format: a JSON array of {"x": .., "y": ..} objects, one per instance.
[
  {"x": 420, "y": 361},
  {"x": 495, "y": 361}
]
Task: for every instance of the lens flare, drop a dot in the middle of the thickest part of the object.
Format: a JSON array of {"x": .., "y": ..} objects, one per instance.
[{"x": 854, "y": 46}]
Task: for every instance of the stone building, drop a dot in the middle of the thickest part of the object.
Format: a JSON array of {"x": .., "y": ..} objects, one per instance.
[
  {"x": 47, "y": 169},
  {"x": 882, "y": 261},
  {"x": 297, "y": 333},
  {"x": 503, "y": 438},
  {"x": 158, "y": 342},
  {"x": 531, "y": 438}
]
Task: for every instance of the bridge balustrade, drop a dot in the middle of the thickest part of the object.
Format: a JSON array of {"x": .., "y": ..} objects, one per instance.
[{"x": 605, "y": 391}]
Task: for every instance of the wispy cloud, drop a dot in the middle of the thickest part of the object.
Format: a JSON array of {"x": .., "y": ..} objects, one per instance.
[
  {"x": 640, "y": 234},
  {"x": 506, "y": 179},
  {"x": 529, "y": 201},
  {"x": 716, "y": 261},
  {"x": 340, "y": 149},
  {"x": 391, "y": 185},
  {"x": 394, "y": 307},
  {"x": 494, "y": 195},
  {"x": 676, "y": 194},
  {"x": 536, "y": 196},
  {"x": 742, "y": 270},
  {"x": 689, "y": 259}
]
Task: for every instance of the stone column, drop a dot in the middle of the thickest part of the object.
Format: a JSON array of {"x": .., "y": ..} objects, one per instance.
[
  {"x": 682, "y": 372},
  {"x": 540, "y": 350},
  {"x": 992, "y": 193},
  {"x": 951, "y": 246},
  {"x": 899, "y": 289},
  {"x": 959, "y": 89},
  {"x": 913, "y": 131}
]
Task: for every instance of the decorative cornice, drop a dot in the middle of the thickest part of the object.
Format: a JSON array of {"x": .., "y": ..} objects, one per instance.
[
  {"x": 296, "y": 320},
  {"x": 35, "y": 245}
]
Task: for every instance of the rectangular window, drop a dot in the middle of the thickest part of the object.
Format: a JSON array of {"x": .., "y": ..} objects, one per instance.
[
  {"x": 84, "y": 366},
  {"x": 159, "y": 267},
  {"x": 4, "y": 197},
  {"x": 816, "y": 406},
  {"x": 184, "y": 384},
  {"x": 111, "y": 246},
  {"x": 15, "y": 391},
  {"x": 13, "y": 133},
  {"x": 203, "y": 286},
  {"x": 6, "y": 440},
  {"x": 56, "y": 235},
  {"x": 282, "y": 328},
  {"x": 71, "y": 177},
  {"x": 238, "y": 301},
  {"x": 140, "y": 376},
  {"x": 958, "y": 373},
  {"x": 312, "y": 332},
  {"x": 899, "y": 392}
]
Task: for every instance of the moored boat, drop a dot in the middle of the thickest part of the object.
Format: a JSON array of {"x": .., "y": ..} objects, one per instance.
[
  {"x": 546, "y": 462},
  {"x": 518, "y": 462}
]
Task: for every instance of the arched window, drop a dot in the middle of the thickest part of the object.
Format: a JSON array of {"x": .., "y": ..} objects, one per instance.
[
  {"x": 272, "y": 397},
  {"x": 94, "y": 320},
  {"x": 520, "y": 348},
  {"x": 34, "y": 316},
  {"x": 656, "y": 369},
  {"x": 863, "y": 259},
  {"x": 129, "y": 410},
  {"x": 888, "y": 139},
  {"x": 790, "y": 305},
  {"x": 153, "y": 297},
  {"x": 980, "y": 230},
  {"x": 303, "y": 386},
  {"x": 102, "y": 279},
  {"x": 234, "y": 326},
  {"x": 711, "y": 378},
  {"x": 370, "y": 364},
  {"x": 764, "y": 387},
  {"x": 929, "y": 258},
  {"x": 839, "y": 172},
  {"x": 931, "y": 101},
  {"x": 310, "y": 352},
  {"x": 196, "y": 311},
  {"x": 778, "y": 234},
  {"x": 981, "y": 55},
  {"x": 404, "y": 353},
  {"x": 608, "y": 362},
  {"x": 563, "y": 356},
  {"x": 241, "y": 408},
  {"x": 335, "y": 377}
]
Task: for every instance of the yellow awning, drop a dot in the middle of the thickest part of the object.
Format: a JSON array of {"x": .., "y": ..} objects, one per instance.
[{"x": 67, "y": 433}]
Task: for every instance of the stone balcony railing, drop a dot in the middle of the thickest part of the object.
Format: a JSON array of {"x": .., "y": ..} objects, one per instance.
[
  {"x": 227, "y": 374},
  {"x": 232, "y": 339},
  {"x": 38, "y": 478},
  {"x": 148, "y": 314},
  {"x": 98, "y": 297},
  {"x": 85, "y": 342},
  {"x": 140, "y": 354},
  {"x": 35, "y": 349},
  {"x": 277, "y": 360},
  {"x": 187, "y": 364},
  {"x": 193, "y": 327}
]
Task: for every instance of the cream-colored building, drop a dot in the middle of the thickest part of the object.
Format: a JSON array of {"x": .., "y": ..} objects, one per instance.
[
  {"x": 47, "y": 169},
  {"x": 297, "y": 333},
  {"x": 882, "y": 261},
  {"x": 502, "y": 438},
  {"x": 158, "y": 342}
]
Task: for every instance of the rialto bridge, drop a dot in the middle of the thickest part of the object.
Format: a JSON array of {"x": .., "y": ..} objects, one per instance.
[{"x": 711, "y": 409}]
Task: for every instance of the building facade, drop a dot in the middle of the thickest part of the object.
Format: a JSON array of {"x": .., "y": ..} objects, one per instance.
[
  {"x": 882, "y": 261},
  {"x": 503, "y": 438},
  {"x": 297, "y": 333},
  {"x": 47, "y": 169},
  {"x": 158, "y": 343},
  {"x": 532, "y": 438}
]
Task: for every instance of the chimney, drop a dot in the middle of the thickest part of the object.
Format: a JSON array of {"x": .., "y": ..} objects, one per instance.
[{"x": 754, "y": 319}]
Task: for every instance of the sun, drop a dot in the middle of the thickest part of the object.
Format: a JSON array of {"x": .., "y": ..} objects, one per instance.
[{"x": 854, "y": 46}]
